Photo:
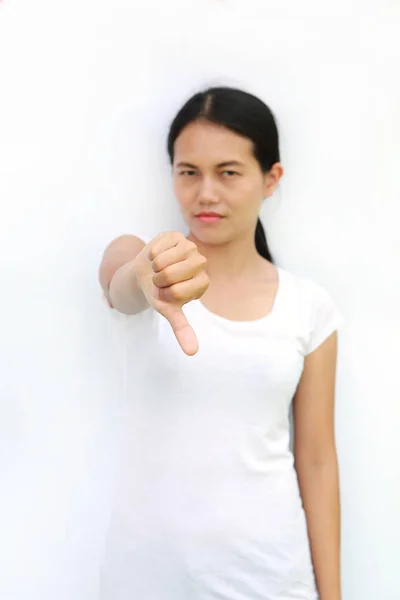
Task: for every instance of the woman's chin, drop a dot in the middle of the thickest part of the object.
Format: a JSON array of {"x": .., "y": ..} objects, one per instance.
[{"x": 209, "y": 237}]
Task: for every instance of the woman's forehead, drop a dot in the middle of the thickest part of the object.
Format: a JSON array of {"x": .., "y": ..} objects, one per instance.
[{"x": 213, "y": 143}]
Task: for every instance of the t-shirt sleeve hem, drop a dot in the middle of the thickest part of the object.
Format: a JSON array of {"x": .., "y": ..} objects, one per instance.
[{"x": 335, "y": 324}]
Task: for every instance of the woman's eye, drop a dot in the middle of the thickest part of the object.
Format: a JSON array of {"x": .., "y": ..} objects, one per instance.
[
  {"x": 188, "y": 173},
  {"x": 230, "y": 173}
]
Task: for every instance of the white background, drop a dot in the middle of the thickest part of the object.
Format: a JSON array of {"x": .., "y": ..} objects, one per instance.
[{"x": 87, "y": 90}]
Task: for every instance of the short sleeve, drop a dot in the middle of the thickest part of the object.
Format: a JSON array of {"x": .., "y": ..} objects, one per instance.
[{"x": 325, "y": 318}]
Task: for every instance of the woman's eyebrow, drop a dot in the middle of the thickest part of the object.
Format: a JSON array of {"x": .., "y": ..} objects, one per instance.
[
  {"x": 188, "y": 165},
  {"x": 228, "y": 163}
]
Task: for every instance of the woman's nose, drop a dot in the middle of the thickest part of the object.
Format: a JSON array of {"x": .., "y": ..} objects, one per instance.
[{"x": 208, "y": 192}]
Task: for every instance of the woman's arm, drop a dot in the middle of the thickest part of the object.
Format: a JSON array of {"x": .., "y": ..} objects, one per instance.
[
  {"x": 117, "y": 275},
  {"x": 164, "y": 274},
  {"x": 316, "y": 464}
]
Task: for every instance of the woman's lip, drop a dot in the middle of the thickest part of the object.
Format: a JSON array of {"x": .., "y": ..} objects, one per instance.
[
  {"x": 209, "y": 218},
  {"x": 208, "y": 214}
]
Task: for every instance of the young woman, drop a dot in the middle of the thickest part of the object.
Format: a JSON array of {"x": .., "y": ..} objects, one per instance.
[{"x": 211, "y": 503}]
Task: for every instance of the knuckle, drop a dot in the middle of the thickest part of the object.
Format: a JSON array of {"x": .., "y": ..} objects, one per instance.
[
  {"x": 202, "y": 282},
  {"x": 190, "y": 246},
  {"x": 167, "y": 277},
  {"x": 157, "y": 263},
  {"x": 202, "y": 260},
  {"x": 175, "y": 293},
  {"x": 177, "y": 236},
  {"x": 205, "y": 281},
  {"x": 167, "y": 234},
  {"x": 151, "y": 254}
]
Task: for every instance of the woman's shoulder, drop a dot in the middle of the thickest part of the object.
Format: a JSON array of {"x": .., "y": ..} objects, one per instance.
[
  {"x": 307, "y": 287},
  {"x": 315, "y": 305}
]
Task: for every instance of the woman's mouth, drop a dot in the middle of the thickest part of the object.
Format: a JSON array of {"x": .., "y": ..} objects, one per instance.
[{"x": 209, "y": 217}]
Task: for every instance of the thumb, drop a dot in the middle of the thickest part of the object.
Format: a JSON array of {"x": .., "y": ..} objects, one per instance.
[{"x": 184, "y": 333}]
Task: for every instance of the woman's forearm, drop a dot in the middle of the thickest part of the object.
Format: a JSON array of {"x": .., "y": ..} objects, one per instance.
[
  {"x": 117, "y": 274},
  {"x": 319, "y": 487},
  {"x": 125, "y": 293}
]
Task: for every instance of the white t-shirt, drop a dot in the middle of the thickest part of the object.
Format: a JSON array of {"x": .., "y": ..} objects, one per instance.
[{"x": 207, "y": 505}]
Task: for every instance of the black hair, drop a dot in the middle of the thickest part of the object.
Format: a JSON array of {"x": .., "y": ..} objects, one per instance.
[{"x": 242, "y": 113}]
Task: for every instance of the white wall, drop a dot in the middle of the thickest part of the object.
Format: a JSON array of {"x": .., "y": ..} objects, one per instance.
[{"x": 87, "y": 90}]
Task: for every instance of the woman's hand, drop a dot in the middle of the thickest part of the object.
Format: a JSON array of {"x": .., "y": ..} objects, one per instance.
[{"x": 171, "y": 272}]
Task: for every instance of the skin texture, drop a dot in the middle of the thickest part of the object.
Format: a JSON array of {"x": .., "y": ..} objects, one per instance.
[{"x": 206, "y": 178}]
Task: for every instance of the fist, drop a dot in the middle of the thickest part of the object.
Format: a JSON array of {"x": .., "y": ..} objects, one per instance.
[{"x": 171, "y": 272}]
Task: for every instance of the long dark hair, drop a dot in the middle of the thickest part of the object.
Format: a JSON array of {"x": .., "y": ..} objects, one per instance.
[{"x": 242, "y": 113}]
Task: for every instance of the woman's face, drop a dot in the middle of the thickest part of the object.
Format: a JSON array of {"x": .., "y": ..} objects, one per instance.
[{"x": 216, "y": 173}]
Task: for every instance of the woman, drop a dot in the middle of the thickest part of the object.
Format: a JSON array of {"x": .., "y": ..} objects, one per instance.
[{"x": 212, "y": 503}]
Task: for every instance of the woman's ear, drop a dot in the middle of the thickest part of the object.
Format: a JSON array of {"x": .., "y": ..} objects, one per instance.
[{"x": 272, "y": 179}]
